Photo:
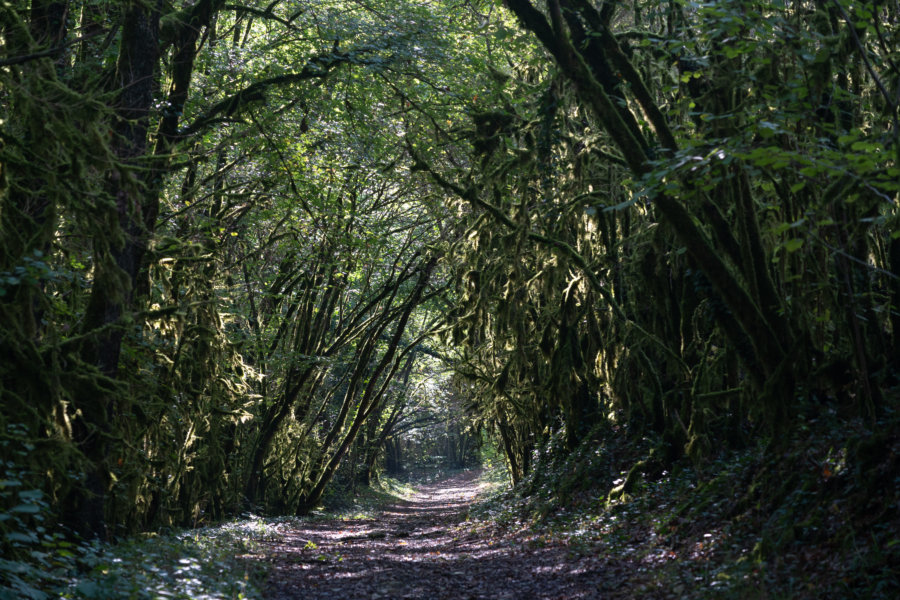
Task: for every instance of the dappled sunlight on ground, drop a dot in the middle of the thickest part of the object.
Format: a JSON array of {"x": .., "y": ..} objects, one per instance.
[{"x": 421, "y": 548}]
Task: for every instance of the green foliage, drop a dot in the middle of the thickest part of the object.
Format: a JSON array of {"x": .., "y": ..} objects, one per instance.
[
  {"x": 365, "y": 503},
  {"x": 802, "y": 524},
  {"x": 219, "y": 264},
  {"x": 658, "y": 266},
  {"x": 208, "y": 322},
  {"x": 200, "y": 563}
]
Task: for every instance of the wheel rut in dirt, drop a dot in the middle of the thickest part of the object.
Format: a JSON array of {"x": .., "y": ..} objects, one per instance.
[{"x": 419, "y": 549}]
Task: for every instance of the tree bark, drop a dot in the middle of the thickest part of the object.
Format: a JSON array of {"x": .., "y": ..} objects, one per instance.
[
  {"x": 755, "y": 322},
  {"x": 387, "y": 367},
  {"x": 118, "y": 260}
]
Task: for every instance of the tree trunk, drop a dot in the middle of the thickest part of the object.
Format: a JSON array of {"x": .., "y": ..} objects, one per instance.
[
  {"x": 118, "y": 260},
  {"x": 373, "y": 391}
]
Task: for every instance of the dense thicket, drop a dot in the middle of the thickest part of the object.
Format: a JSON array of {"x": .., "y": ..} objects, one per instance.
[
  {"x": 226, "y": 230},
  {"x": 684, "y": 220},
  {"x": 215, "y": 269}
]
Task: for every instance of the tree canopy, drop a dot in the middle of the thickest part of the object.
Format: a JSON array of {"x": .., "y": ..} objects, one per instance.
[{"x": 246, "y": 248}]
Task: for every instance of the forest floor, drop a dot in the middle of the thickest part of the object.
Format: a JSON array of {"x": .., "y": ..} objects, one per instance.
[
  {"x": 729, "y": 533},
  {"x": 457, "y": 539},
  {"x": 424, "y": 547}
]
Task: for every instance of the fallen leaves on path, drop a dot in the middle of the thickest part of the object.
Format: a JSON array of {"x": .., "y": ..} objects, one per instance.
[{"x": 422, "y": 548}]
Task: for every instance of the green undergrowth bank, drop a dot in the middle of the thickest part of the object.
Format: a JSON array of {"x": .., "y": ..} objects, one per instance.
[
  {"x": 197, "y": 564},
  {"x": 209, "y": 563},
  {"x": 363, "y": 502},
  {"x": 815, "y": 515}
]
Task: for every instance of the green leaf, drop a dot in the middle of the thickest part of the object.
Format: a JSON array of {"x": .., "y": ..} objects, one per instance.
[
  {"x": 793, "y": 244},
  {"x": 25, "y": 538},
  {"x": 634, "y": 198},
  {"x": 89, "y": 589},
  {"x": 32, "y": 495}
]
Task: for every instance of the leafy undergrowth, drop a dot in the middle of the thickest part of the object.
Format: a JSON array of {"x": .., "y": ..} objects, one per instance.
[
  {"x": 198, "y": 564},
  {"x": 365, "y": 502},
  {"x": 194, "y": 564},
  {"x": 818, "y": 516}
]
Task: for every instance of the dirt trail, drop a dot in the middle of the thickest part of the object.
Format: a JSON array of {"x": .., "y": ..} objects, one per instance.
[{"x": 417, "y": 550}]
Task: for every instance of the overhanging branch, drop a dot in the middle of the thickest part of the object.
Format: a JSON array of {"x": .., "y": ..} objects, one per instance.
[{"x": 318, "y": 67}]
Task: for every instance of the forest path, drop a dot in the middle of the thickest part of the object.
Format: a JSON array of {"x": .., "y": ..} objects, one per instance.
[{"x": 421, "y": 549}]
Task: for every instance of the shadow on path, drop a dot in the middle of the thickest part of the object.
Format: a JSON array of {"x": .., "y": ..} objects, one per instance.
[{"x": 415, "y": 550}]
